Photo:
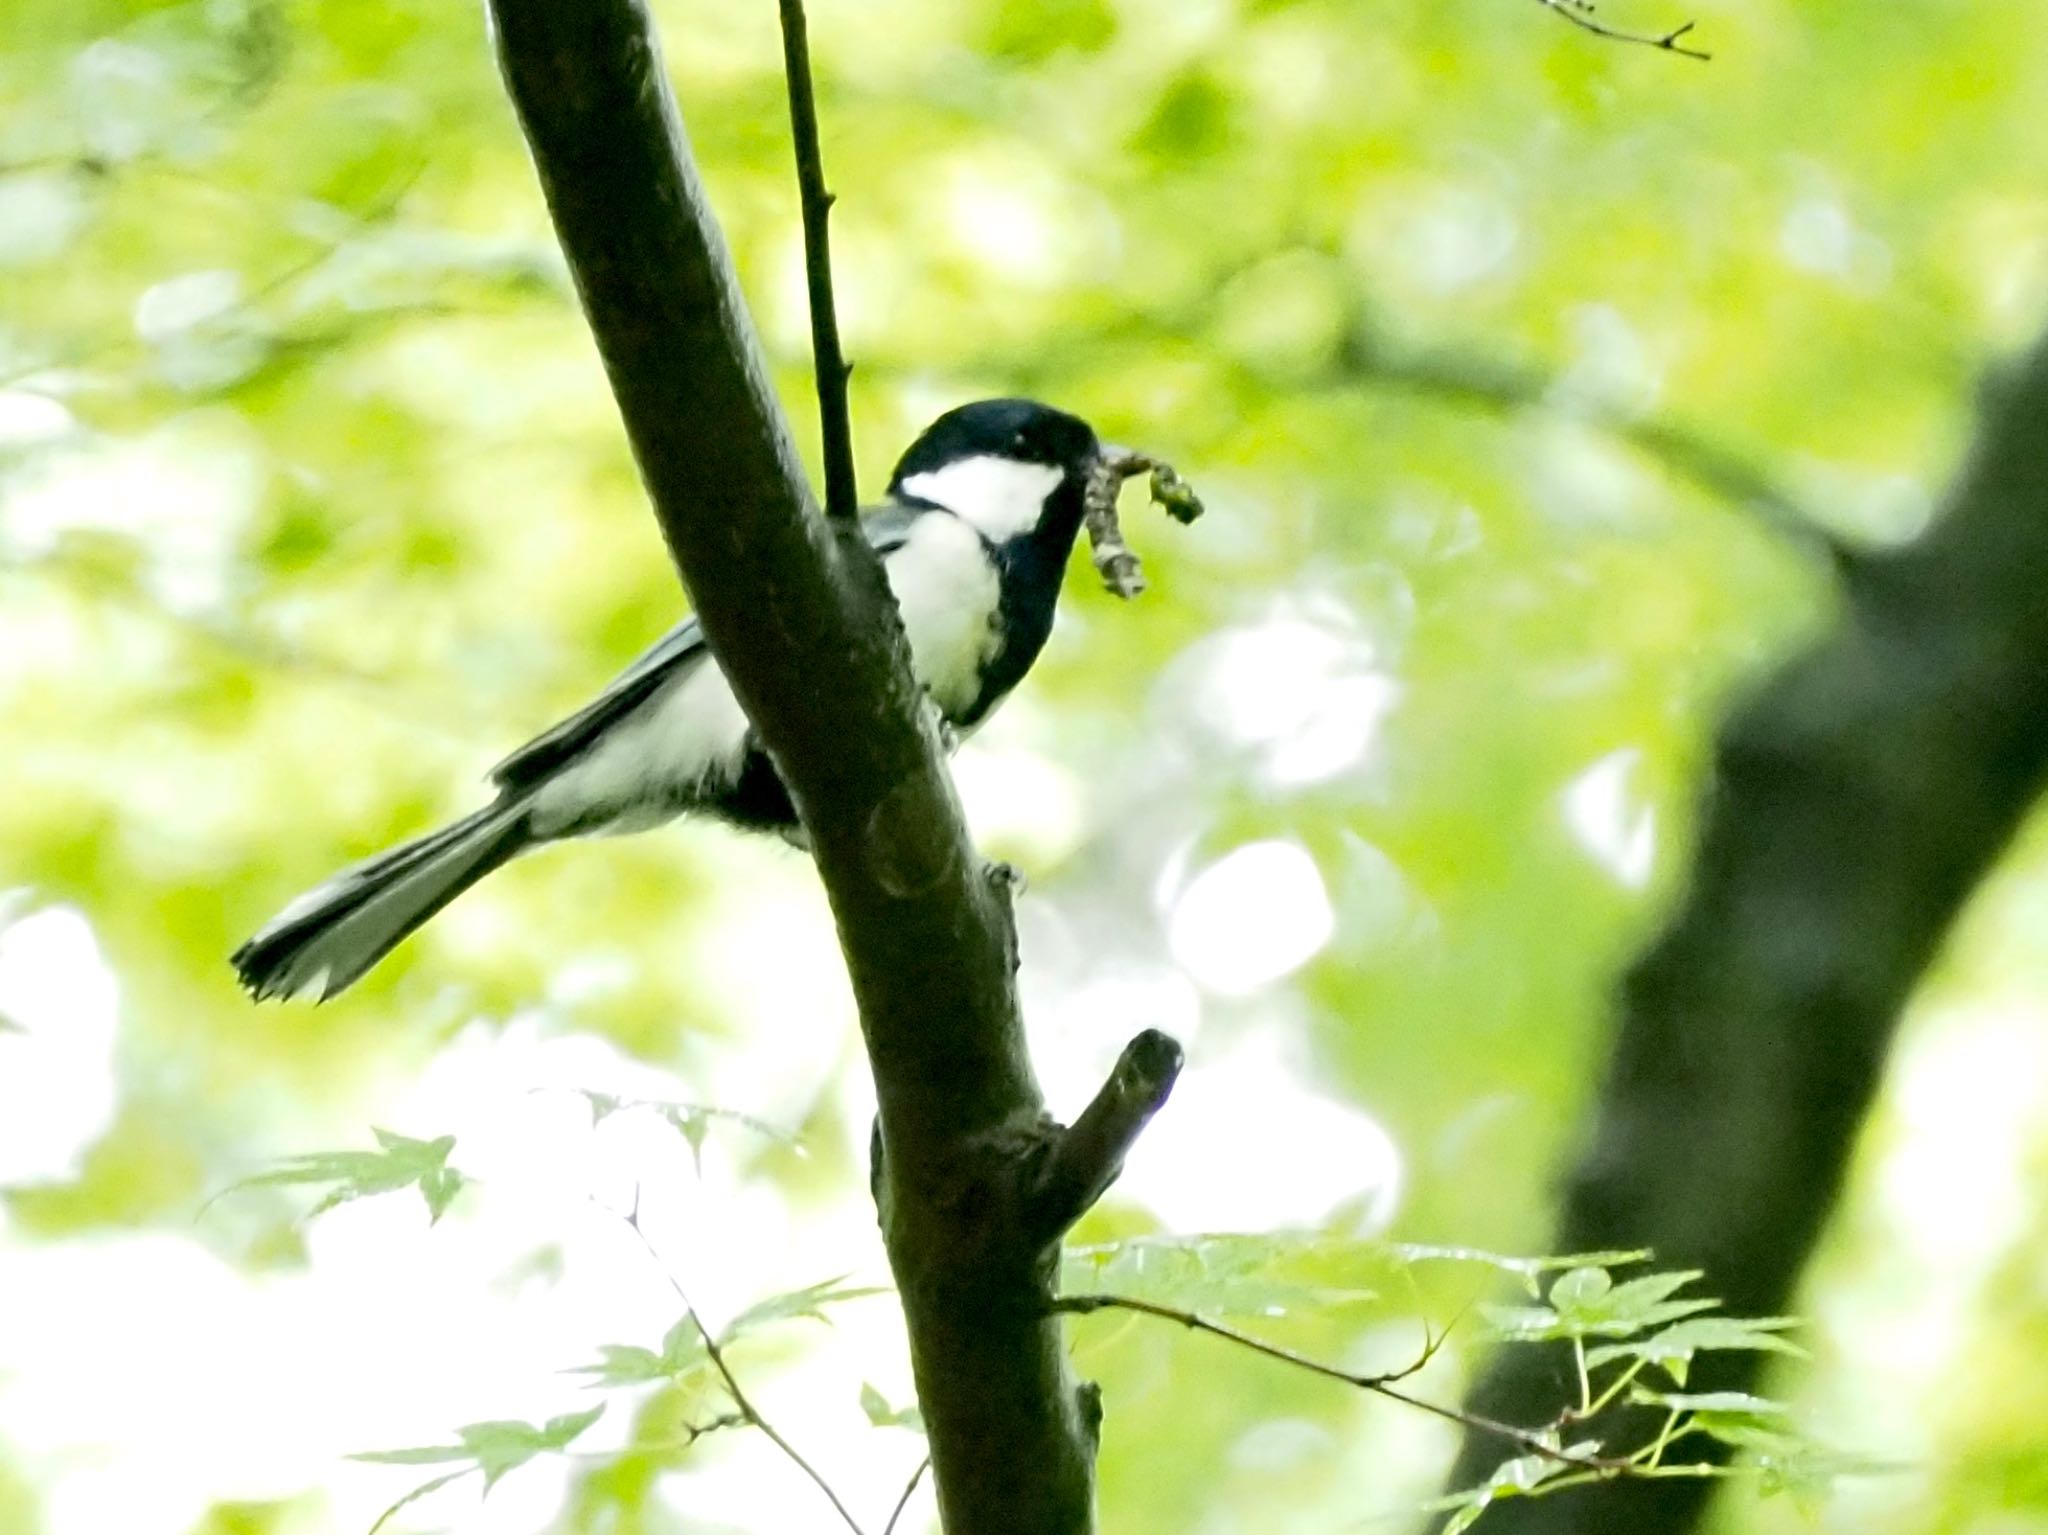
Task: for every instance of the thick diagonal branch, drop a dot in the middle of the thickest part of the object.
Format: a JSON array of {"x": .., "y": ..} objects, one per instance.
[{"x": 798, "y": 616}]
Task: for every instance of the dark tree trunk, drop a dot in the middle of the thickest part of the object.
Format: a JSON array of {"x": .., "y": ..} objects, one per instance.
[{"x": 1857, "y": 800}]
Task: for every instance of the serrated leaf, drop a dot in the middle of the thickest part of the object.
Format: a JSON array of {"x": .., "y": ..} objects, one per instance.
[
  {"x": 401, "y": 1162},
  {"x": 1806, "y": 1479},
  {"x": 1673, "y": 1348},
  {"x": 494, "y": 1447},
  {"x": 1711, "y": 1401},
  {"x": 1227, "y": 1274},
  {"x": 1523, "y": 1324},
  {"x": 506, "y": 1445},
  {"x": 1592, "y": 1305},
  {"x": 882, "y": 1415},
  {"x": 1519, "y": 1477},
  {"x": 690, "y": 1120},
  {"x": 622, "y": 1364},
  {"x": 426, "y": 1455},
  {"x": 434, "y": 1485},
  {"x": 1585, "y": 1303},
  {"x": 1528, "y": 1270},
  {"x": 682, "y": 1346},
  {"x": 807, "y": 1302},
  {"x": 1576, "y": 1290},
  {"x": 627, "y": 1364},
  {"x": 692, "y": 1127}
]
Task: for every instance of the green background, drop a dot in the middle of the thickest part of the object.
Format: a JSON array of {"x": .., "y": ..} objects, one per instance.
[{"x": 312, "y": 503}]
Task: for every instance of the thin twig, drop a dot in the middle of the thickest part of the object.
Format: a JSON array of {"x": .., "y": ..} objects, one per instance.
[
  {"x": 716, "y": 1355},
  {"x": 692, "y": 1432},
  {"x": 842, "y": 496},
  {"x": 1467, "y": 377},
  {"x": 904, "y": 1502},
  {"x": 1383, "y": 1384},
  {"x": 1580, "y": 14},
  {"x": 385, "y": 205}
]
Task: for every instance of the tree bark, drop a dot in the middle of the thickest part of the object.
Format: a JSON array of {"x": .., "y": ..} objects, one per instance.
[
  {"x": 975, "y": 1184},
  {"x": 1856, "y": 801}
]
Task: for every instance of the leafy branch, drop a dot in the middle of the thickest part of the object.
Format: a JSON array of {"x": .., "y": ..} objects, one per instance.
[
  {"x": 692, "y": 1121},
  {"x": 1648, "y": 1325},
  {"x": 714, "y": 1351},
  {"x": 489, "y": 1449},
  {"x": 400, "y": 1162}
]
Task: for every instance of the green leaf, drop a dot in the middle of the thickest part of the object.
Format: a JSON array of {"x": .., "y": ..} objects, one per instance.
[
  {"x": 624, "y": 1364},
  {"x": 428, "y": 1455},
  {"x": 435, "y": 1485},
  {"x": 1598, "y": 1306},
  {"x": 682, "y": 1346},
  {"x": 1807, "y": 1478},
  {"x": 807, "y": 1302},
  {"x": 1520, "y": 1477},
  {"x": 1267, "y": 1275},
  {"x": 882, "y": 1415},
  {"x": 1523, "y": 1324},
  {"x": 401, "y": 1162},
  {"x": 1673, "y": 1348},
  {"x": 1579, "y": 1289},
  {"x": 493, "y": 1447},
  {"x": 505, "y": 1446},
  {"x": 693, "y": 1127},
  {"x": 1712, "y": 1401},
  {"x": 1586, "y": 1303},
  {"x": 1528, "y": 1270},
  {"x": 691, "y": 1120}
]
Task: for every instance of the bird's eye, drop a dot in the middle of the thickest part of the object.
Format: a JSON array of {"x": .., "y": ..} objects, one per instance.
[{"x": 1018, "y": 441}]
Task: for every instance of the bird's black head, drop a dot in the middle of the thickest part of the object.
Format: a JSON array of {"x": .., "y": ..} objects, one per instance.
[
  {"x": 1021, "y": 430},
  {"x": 1010, "y": 467}
]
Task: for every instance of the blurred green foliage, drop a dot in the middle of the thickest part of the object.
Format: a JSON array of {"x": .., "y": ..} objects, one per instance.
[{"x": 312, "y": 502}]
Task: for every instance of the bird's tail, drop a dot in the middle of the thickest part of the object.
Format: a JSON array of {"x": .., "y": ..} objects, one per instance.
[{"x": 325, "y": 940}]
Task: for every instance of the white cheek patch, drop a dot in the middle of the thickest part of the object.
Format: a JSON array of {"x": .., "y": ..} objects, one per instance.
[
  {"x": 1000, "y": 497},
  {"x": 948, "y": 595}
]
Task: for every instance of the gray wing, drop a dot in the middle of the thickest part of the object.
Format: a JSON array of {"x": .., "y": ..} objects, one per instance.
[{"x": 667, "y": 658}]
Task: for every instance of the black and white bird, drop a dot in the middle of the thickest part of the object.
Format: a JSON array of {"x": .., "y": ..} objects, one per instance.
[{"x": 982, "y": 514}]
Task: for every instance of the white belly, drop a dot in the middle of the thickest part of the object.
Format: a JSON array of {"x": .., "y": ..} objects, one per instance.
[
  {"x": 949, "y": 596},
  {"x": 689, "y": 741}
]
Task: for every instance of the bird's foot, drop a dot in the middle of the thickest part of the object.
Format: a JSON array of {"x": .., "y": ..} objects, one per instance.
[{"x": 943, "y": 728}]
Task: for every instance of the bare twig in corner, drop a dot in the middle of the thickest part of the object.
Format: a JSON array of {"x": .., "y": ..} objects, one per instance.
[
  {"x": 908, "y": 1488},
  {"x": 1580, "y": 14},
  {"x": 1385, "y": 1384},
  {"x": 716, "y": 1355},
  {"x": 842, "y": 498}
]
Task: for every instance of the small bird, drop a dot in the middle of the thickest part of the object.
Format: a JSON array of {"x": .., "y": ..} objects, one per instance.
[{"x": 982, "y": 514}]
